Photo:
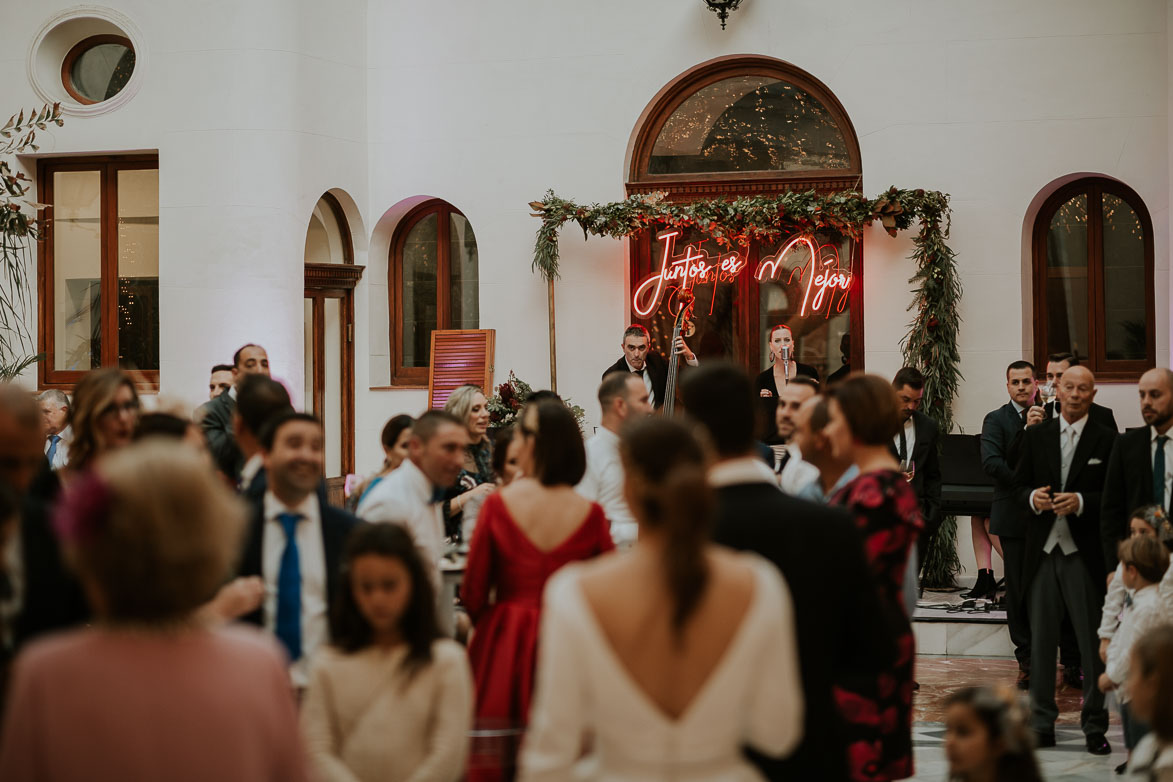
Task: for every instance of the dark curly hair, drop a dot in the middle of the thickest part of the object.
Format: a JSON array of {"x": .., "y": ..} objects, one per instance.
[{"x": 351, "y": 631}]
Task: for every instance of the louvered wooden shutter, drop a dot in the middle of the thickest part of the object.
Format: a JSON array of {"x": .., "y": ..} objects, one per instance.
[{"x": 460, "y": 356}]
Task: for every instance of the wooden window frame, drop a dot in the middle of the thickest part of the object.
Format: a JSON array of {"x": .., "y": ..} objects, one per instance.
[
  {"x": 681, "y": 188},
  {"x": 1096, "y": 360},
  {"x": 80, "y": 48},
  {"x": 417, "y": 377},
  {"x": 108, "y": 166}
]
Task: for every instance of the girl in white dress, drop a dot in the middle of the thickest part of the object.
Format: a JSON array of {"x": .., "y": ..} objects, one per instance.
[{"x": 665, "y": 661}]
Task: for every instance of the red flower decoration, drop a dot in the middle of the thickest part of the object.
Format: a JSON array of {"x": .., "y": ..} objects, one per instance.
[
  {"x": 857, "y": 709},
  {"x": 863, "y": 758}
]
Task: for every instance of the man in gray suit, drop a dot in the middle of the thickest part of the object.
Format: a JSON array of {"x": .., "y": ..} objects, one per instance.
[
  {"x": 1001, "y": 434},
  {"x": 216, "y": 416}
]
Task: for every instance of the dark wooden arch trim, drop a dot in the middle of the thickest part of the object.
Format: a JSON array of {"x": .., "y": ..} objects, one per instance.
[
  {"x": 80, "y": 48},
  {"x": 689, "y": 187},
  {"x": 416, "y": 376},
  {"x": 1096, "y": 360},
  {"x": 673, "y": 94},
  {"x": 339, "y": 213}
]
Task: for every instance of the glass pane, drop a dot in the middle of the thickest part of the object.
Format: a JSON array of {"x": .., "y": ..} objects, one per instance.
[
  {"x": 77, "y": 270},
  {"x": 1124, "y": 281},
  {"x": 789, "y": 295},
  {"x": 100, "y": 72},
  {"x": 138, "y": 269},
  {"x": 1067, "y": 302},
  {"x": 324, "y": 237},
  {"x": 308, "y": 358},
  {"x": 419, "y": 291},
  {"x": 332, "y": 414},
  {"x": 749, "y": 123},
  {"x": 462, "y": 258}
]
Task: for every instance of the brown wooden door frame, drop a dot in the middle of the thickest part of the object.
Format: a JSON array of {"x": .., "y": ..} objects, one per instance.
[{"x": 317, "y": 402}]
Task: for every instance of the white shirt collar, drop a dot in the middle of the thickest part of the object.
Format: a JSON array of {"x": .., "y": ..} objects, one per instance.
[
  {"x": 1017, "y": 407},
  {"x": 630, "y": 368},
  {"x": 603, "y": 434},
  {"x": 251, "y": 468},
  {"x": 232, "y": 392},
  {"x": 1153, "y": 434},
  {"x": 414, "y": 477},
  {"x": 308, "y": 508},
  {"x": 747, "y": 469}
]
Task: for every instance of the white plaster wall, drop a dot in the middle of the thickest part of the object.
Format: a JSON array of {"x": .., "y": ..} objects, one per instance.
[{"x": 255, "y": 108}]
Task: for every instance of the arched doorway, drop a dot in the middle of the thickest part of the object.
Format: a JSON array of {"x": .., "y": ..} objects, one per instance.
[
  {"x": 330, "y": 279},
  {"x": 749, "y": 126}
]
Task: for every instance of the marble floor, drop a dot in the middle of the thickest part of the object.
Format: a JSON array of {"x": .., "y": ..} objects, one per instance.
[{"x": 939, "y": 676}]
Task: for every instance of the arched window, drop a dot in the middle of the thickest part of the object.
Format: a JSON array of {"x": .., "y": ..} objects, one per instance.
[
  {"x": 1093, "y": 278},
  {"x": 750, "y": 126},
  {"x": 433, "y": 284}
]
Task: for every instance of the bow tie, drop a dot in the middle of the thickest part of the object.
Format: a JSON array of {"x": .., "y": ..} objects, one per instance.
[{"x": 437, "y": 496}]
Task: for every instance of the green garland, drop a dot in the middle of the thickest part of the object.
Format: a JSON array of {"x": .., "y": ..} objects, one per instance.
[{"x": 931, "y": 341}]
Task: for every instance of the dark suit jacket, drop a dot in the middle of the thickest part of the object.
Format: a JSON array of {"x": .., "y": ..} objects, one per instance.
[
  {"x": 842, "y": 639},
  {"x": 926, "y": 454},
  {"x": 1128, "y": 485},
  {"x": 658, "y": 369},
  {"x": 217, "y": 425},
  {"x": 1040, "y": 466},
  {"x": 1001, "y": 443},
  {"x": 336, "y": 526},
  {"x": 53, "y": 598},
  {"x": 1098, "y": 413}
]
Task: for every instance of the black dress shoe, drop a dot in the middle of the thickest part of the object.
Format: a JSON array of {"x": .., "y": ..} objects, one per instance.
[
  {"x": 1023, "y": 682},
  {"x": 1044, "y": 740},
  {"x": 1098, "y": 745}
]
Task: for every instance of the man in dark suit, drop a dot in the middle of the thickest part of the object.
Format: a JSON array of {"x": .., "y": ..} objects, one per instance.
[
  {"x": 1140, "y": 470},
  {"x": 841, "y": 638},
  {"x": 1057, "y": 364},
  {"x": 638, "y": 358},
  {"x": 259, "y": 399},
  {"x": 215, "y": 416},
  {"x": 917, "y": 441},
  {"x": 295, "y": 541},
  {"x": 1001, "y": 434},
  {"x": 1061, "y": 476}
]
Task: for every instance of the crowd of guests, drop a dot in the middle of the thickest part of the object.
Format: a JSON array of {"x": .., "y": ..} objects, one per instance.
[{"x": 696, "y": 597}]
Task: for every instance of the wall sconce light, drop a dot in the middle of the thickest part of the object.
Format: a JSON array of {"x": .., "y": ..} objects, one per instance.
[{"x": 723, "y": 8}]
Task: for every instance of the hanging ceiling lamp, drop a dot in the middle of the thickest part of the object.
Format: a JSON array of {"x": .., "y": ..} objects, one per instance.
[{"x": 723, "y": 8}]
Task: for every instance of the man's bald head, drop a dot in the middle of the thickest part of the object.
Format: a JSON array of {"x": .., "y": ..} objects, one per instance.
[
  {"x": 1077, "y": 390},
  {"x": 1156, "y": 398},
  {"x": 21, "y": 437}
]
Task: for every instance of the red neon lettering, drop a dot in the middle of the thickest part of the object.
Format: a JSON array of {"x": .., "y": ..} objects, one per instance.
[{"x": 695, "y": 266}]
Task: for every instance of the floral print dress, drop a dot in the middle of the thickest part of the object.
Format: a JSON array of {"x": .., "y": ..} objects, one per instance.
[{"x": 878, "y": 717}]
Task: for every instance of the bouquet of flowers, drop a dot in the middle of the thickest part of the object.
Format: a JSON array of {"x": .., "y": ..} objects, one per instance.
[{"x": 505, "y": 405}]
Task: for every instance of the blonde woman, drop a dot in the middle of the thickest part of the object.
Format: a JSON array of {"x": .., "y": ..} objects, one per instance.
[
  {"x": 463, "y": 501},
  {"x": 105, "y": 413}
]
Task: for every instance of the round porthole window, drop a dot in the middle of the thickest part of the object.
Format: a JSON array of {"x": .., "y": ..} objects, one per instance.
[{"x": 98, "y": 68}]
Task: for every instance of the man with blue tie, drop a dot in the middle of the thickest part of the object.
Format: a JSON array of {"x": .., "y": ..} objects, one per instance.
[
  {"x": 55, "y": 412},
  {"x": 295, "y": 541},
  {"x": 1060, "y": 479},
  {"x": 1141, "y": 468}
]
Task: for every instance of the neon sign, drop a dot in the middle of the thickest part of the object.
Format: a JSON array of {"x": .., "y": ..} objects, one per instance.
[
  {"x": 821, "y": 275},
  {"x": 694, "y": 266}
]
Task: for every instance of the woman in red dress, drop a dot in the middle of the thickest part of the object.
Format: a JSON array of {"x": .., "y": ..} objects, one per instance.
[
  {"x": 525, "y": 532},
  {"x": 864, "y": 417}
]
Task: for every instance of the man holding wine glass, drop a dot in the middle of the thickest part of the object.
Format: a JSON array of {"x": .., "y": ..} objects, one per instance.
[
  {"x": 916, "y": 448},
  {"x": 1057, "y": 364}
]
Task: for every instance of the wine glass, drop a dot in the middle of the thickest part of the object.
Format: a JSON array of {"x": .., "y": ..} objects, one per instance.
[
  {"x": 908, "y": 467},
  {"x": 1047, "y": 392}
]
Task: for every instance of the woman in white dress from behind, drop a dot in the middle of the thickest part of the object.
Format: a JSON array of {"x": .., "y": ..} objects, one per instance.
[{"x": 665, "y": 661}]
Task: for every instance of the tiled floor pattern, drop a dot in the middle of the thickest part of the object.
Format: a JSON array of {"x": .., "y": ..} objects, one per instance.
[{"x": 939, "y": 676}]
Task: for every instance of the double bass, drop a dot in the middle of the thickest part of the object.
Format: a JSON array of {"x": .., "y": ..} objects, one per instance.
[{"x": 683, "y": 325}]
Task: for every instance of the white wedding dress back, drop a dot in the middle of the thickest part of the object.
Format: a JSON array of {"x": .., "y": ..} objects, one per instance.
[{"x": 586, "y": 699}]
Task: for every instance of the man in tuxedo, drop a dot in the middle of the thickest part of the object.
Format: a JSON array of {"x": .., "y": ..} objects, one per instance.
[
  {"x": 295, "y": 542},
  {"x": 622, "y": 397},
  {"x": 215, "y": 416},
  {"x": 55, "y": 410},
  {"x": 842, "y": 640},
  {"x": 220, "y": 380},
  {"x": 259, "y": 399},
  {"x": 1140, "y": 470},
  {"x": 1057, "y": 364},
  {"x": 639, "y": 359},
  {"x": 1001, "y": 440},
  {"x": 917, "y": 441},
  {"x": 1060, "y": 476}
]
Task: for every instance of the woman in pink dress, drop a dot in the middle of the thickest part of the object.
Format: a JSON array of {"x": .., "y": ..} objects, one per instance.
[
  {"x": 148, "y": 692},
  {"x": 525, "y": 532}
]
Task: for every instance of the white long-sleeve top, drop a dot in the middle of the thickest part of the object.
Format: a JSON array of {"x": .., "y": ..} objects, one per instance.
[
  {"x": 1147, "y": 609},
  {"x": 1113, "y": 604}
]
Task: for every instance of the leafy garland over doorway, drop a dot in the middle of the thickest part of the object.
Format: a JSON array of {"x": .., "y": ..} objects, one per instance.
[{"x": 931, "y": 341}]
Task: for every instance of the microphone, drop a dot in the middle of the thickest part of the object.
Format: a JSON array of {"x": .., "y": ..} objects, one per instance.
[
  {"x": 785, "y": 351},
  {"x": 785, "y": 354}
]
